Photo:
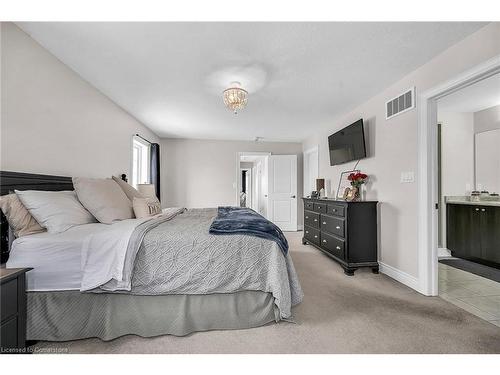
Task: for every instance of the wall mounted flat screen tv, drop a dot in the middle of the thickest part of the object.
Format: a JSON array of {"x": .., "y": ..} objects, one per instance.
[{"x": 347, "y": 144}]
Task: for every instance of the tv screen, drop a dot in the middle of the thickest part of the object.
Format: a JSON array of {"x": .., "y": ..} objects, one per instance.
[{"x": 347, "y": 144}]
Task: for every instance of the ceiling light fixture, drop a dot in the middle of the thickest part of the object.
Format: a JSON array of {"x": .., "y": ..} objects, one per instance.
[{"x": 235, "y": 98}]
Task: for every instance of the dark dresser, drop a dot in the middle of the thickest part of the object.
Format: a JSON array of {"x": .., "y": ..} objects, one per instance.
[
  {"x": 13, "y": 298},
  {"x": 345, "y": 231}
]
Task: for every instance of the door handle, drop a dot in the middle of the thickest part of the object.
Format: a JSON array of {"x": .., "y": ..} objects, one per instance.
[
  {"x": 337, "y": 227},
  {"x": 293, "y": 196},
  {"x": 337, "y": 247}
]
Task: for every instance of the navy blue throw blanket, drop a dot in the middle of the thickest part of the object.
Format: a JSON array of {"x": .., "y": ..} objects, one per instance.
[{"x": 241, "y": 220}]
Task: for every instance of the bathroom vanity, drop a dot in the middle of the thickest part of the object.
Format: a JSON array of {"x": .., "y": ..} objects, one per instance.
[{"x": 473, "y": 230}]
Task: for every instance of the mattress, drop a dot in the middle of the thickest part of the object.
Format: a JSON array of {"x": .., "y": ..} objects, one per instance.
[{"x": 56, "y": 258}]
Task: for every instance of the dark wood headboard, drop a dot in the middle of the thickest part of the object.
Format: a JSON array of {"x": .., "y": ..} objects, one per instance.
[{"x": 10, "y": 181}]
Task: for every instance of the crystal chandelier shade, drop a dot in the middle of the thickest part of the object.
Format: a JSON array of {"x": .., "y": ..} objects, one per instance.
[{"x": 235, "y": 98}]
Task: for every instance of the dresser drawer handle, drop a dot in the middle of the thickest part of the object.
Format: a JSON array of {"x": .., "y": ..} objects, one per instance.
[
  {"x": 319, "y": 207},
  {"x": 307, "y": 217},
  {"x": 324, "y": 241},
  {"x": 337, "y": 247},
  {"x": 307, "y": 231},
  {"x": 315, "y": 219},
  {"x": 324, "y": 222},
  {"x": 315, "y": 236},
  {"x": 334, "y": 210},
  {"x": 337, "y": 227}
]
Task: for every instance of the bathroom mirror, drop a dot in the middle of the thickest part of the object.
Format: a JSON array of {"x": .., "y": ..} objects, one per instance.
[{"x": 487, "y": 161}]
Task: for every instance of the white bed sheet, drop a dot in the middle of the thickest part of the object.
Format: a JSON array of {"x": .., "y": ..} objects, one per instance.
[{"x": 56, "y": 258}]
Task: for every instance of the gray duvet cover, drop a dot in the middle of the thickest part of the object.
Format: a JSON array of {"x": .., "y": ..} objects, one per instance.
[{"x": 179, "y": 256}]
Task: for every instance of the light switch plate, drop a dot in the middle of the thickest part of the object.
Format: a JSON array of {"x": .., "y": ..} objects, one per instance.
[{"x": 407, "y": 177}]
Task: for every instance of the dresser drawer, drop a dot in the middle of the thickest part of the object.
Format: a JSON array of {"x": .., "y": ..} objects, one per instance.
[
  {"x": 333, "y": 245},
  {"x": 311, "y": 219},
  {"x": 335, "y": 209},
  {"x": 9, "y": 299},
  {"x": 9, "y": 334},
  {"x": 333, "y": 225},
  {"x": 312, "y": 235},
  {"x": 308, "y": 206},
  {"x": 320, "y": 207}
]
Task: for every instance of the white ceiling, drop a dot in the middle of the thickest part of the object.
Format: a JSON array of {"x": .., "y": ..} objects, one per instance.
[
  {"x": 170, "y": 76},
  {"x": 481, "y": 95}
]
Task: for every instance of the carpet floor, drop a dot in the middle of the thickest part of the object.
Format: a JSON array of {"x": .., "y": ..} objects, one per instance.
[{"x": 366, "y": 313}]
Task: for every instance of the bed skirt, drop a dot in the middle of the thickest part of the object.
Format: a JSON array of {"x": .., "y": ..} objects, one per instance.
[{"x": 71, "y": 315}]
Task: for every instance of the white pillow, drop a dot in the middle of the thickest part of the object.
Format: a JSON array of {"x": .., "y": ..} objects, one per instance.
[
  {"x": 104, "y": 199},
  {"x": 55, "y": 210}
]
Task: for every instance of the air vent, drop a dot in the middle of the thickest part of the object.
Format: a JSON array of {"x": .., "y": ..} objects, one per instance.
[{"x": 400, "y": 104}]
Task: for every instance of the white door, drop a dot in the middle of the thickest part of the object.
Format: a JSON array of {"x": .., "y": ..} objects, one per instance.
[{"x": 282, "y": 191}]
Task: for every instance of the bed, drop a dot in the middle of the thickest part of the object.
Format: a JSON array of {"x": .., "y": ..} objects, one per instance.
[{"x": 175, "y": 278}]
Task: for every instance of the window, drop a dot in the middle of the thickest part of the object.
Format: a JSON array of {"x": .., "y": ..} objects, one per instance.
[{"x": 140, "y": 162}]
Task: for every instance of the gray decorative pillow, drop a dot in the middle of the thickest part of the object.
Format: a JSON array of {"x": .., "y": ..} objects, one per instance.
[
  {"x": 145, "y": 207},
  {"x": 19, "y": 218},
  {"x": 104, "y": 199},
  {"x": 128, "y": 189}
]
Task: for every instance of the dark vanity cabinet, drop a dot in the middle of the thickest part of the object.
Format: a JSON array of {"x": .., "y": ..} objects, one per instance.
[
  {"x": 473, "y": 232},
  {"x": 345, "y": 231}
]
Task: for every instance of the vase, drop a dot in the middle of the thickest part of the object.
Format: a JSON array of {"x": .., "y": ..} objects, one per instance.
[
  {"x": 357, "y": 193},
  {"x": 353, "y": 194}
]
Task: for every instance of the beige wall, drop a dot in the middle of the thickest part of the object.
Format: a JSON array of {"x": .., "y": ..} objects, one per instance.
[
  {"x": 53, "y": 121},
  {"x": 393, "y": 146},
  {"x": 202, "y": 173}
]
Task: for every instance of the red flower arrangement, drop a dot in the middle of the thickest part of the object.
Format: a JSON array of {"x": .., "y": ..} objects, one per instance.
[{"x": 357, "y": 179}]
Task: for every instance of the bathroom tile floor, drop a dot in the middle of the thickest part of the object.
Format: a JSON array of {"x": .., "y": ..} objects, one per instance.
[{"x": 475, "y": 294}]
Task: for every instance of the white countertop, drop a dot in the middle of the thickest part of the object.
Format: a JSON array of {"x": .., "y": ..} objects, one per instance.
[{"x": 465, "y": 200}]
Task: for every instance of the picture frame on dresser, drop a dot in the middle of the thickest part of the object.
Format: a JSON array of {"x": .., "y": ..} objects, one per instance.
[{"x": 344, "y": 183}]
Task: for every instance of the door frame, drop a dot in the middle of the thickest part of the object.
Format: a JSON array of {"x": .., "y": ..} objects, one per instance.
[
  {"x": 239, "y": 154},
  {"x": 304, "y": 161},
  {"x": 427, "y": 243}
]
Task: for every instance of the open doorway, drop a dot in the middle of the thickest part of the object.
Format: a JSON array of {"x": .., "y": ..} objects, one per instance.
[
  {"x": 468, "y": 187},
  {"x": 252, "y": 181},
  {"x": 268, "y": 185}
]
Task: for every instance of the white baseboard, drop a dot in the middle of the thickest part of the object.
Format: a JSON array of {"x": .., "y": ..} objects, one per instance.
[
  {"x": 300, "y": 227},
  {"x": 398, "y": 275},
  {"x": 443, "y": 253}
]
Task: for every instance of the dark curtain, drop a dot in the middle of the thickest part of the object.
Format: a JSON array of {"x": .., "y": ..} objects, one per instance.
[{"x": 154, "y": 163}]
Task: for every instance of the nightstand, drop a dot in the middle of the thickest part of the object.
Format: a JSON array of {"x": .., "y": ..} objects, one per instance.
[{"x": 13, "y": 308}]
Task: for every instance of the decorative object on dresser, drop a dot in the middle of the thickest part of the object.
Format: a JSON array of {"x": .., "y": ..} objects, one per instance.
[
  {"x": 13, "y": 316},
  {"x": 345, "y": 184},
  {"x": 345, "y": 231},
  {"x": 357, "y": 180}
]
